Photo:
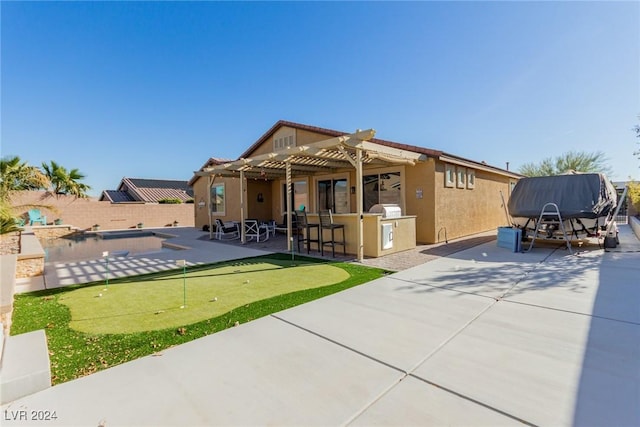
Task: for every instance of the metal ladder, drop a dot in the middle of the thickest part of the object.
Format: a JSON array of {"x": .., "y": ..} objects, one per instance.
[{"x": 550, "y": 210}]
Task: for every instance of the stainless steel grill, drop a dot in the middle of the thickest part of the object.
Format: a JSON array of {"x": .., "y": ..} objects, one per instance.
[{"x": 387, "y": 210}]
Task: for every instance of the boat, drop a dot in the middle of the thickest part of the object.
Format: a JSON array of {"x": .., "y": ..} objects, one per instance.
[{"x": 578, "y": 205}]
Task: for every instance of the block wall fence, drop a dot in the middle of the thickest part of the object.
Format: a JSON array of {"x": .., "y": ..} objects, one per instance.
[{"x": 84, "y": 213}]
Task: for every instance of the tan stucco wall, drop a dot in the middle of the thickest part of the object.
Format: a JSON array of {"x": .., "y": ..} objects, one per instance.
[
  {"x": 200, "y": 195},
  {"x": 404, "y": 233},
  {"x": 459, "y": 211},
  {"x": 463, "y": 211},
  {"x": 421, "y": 177},
  {"x": 302, "y": 137},
  {"x": 254, "y": 209}
]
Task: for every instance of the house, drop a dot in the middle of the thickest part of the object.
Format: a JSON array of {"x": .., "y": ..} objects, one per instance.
[
  {"x": 136, "y": 190},
  {"x": 441, "y": 196}
]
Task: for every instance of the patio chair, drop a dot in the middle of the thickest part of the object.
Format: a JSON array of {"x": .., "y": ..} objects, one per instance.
[
  {"x": 304, "y": 230},
  {"x": 226, "y": 231},
  {"x": 36, "y": 216},
  {"x": 283, "y": 226},
  {"x": 252, "y": 228},
  {"x": 326, "y": 223}
]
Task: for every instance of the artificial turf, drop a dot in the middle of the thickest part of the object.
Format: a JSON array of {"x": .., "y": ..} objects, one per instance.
[
  {"x": 166, "y": 301},
  {"x": 75, "y": 353}
]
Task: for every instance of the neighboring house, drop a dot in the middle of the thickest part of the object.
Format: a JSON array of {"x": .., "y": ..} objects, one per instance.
[
  {"x": 440, "y": 195},
  {"x": 135, "y": 190}
]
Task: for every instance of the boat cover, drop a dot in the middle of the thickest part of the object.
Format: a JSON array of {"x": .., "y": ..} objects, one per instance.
[{"x": 580, "y": 195}]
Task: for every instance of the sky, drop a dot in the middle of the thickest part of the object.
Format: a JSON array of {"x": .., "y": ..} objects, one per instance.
[{"x": 153, "y": 89}]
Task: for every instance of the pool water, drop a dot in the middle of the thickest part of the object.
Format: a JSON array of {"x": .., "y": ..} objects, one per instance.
[{"x": 82, "y": 248}]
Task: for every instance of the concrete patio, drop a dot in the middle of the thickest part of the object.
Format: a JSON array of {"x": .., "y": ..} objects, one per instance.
[{"x": 480, "y": 337}]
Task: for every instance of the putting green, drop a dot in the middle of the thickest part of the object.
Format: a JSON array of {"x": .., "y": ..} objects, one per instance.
[{"x": 154, "y": 303}]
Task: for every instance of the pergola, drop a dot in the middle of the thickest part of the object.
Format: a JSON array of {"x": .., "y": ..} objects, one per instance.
[{"x": 342, "y": 152}]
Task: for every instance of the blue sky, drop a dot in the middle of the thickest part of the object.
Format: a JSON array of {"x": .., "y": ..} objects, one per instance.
[{"x": 153, "y": 89}]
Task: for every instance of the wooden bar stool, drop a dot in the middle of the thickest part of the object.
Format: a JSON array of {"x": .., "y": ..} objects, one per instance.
[
  {"x": 326, "y": 223},
  {"x": 303, "y": 225}
]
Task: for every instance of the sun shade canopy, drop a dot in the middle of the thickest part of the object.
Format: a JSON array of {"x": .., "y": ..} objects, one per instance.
[{"x": 330, "y": 154}]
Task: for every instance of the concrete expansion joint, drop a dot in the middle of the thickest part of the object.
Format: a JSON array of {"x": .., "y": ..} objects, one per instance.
[
  {"x": 374, "y": 400},
  {"x": 341, "y": 344},
  {"x": 477, "y": 402}
]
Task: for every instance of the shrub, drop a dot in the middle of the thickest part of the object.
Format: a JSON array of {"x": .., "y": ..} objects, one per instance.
[
  {"x": 634, "y": 195},
  {"x": 170, "y": 201}
]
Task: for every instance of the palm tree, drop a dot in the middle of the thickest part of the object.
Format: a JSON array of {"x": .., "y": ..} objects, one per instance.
[
  {"x": 17, "y": 175},
  {"x": 57, "y": 175},
  {"x": 63, "y": 182},
  {"x": 74, "y": 186}
]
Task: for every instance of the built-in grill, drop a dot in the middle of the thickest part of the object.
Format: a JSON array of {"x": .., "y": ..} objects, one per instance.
[{"x": 387, "y": 210}]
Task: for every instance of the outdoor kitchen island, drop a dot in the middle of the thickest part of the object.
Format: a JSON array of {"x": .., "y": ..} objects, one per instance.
[{"x": 381, "y": 235}]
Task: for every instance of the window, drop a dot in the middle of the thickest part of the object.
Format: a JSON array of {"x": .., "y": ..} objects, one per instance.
[
  {"x": 299, "y": 195},
  {"x": 381, "y": 188},
  {"x": 333, "y": 195},
  {"x": 449, "y": 176},
  {"x": 217, "y": 199},
  {"x": 283, "y": 142},
  {"x": 461, "y": 176},
  {"x": 471, "y": 178}
]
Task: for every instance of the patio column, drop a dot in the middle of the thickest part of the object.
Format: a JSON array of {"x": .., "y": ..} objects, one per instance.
[
  {"x": 359, "y": 203},
  {"x": 243, "y": 238},
  {"x": 210, "y": 179},
  {"x": 289, "y": 213}
]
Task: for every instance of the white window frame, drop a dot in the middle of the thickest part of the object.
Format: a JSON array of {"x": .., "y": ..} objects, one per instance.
[
  {"x": 449, "y": 175},
  {"x": 461, "y": 176},
  {"x": 224, "y": 192},
  {"x": 471, "y": 179}
]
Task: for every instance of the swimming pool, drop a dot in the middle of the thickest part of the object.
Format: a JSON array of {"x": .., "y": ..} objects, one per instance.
[{"x": 91, "y": 246}]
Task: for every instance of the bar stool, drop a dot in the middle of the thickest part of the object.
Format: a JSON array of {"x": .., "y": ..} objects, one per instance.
[
  {"x": 326, "y": 223},
  {"x": 303, "y": 224}
]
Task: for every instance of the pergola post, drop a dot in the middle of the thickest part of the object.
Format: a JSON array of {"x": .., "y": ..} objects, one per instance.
[
  {"x": 243, "y": 238},
  {"x": 210, "y": 179},
  {"x": 359, "y": 203},
  {"x": 289, "y": 212}
]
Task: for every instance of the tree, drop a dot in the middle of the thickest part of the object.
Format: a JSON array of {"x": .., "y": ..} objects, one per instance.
[
  {"x": 578, "y": 161},
  {"x": 17, "y": 175},
  {"x": 63, "y": 182}
]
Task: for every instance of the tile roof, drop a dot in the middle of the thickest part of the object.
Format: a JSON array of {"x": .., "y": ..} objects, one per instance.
[
  {"x": 212, "y": 161},
  {"x": 148, "y": 191},
  {"x": 437, "y": 154},
  {"x": 333, "y": 133}
]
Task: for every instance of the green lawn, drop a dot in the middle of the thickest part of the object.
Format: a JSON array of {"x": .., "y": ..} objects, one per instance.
[
  {"x": 155, "y": 303},
  {"x": 142, "y": 315}
]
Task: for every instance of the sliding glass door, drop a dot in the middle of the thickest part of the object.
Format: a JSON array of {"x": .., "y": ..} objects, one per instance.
[{"x": 333, "y": 194}]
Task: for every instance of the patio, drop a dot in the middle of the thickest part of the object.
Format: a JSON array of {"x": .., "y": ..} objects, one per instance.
[{"x": 483, "y": 336}]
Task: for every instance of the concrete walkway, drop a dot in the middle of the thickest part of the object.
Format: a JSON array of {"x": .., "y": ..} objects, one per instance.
[{"x": 480, "y": 337}]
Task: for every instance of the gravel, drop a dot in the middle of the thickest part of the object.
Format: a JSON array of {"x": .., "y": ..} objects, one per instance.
[{"x": 9, "y": 243}]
